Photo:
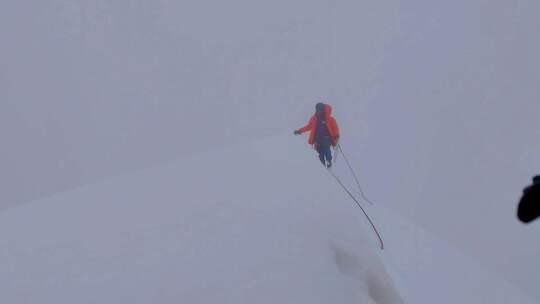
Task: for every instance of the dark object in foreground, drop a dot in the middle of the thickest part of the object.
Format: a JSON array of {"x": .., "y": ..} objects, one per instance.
[{"x": 529, "y": 206}]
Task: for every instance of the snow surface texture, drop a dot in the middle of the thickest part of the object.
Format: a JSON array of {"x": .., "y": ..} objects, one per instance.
[
  {"x": 272, "y": 228},
  {"x": 201, "y": 230},
  {"x": 438, "y": 102}
]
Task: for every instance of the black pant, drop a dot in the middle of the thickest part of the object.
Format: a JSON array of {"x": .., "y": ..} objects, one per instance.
[{"x": 325, "y": 153}]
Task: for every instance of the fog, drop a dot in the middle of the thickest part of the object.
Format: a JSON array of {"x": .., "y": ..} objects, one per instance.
[{"x": 437, "y": 101}]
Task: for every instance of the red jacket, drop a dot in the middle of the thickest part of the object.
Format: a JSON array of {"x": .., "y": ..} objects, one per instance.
[{"x": 333, "y": 128}]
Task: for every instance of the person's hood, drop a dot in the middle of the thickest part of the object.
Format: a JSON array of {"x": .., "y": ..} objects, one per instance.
[{"x": 328, "y": 110}]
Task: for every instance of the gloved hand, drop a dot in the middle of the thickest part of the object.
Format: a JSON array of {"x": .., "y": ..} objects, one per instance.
[{"x": 297, "y": 132}]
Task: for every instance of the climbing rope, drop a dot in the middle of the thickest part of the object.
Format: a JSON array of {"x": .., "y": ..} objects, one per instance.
[
  {"x": 354, "y": 175},
  {"x": 360, "y": 206}
]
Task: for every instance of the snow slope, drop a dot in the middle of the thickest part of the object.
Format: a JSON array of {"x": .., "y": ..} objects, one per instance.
[
  {"x": 250, "y": 224},
  {"x": 431, "y": 270}
]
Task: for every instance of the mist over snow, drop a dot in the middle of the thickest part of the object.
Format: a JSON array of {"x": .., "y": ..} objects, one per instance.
[
  {"x": 190, "y": 232},
  {"x": 147, "y": 151}
]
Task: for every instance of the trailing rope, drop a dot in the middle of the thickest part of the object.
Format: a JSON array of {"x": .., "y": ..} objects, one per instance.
[
  {"x": 361, "y": 208},
  {"x": 354, "y": 175}
]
